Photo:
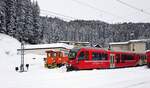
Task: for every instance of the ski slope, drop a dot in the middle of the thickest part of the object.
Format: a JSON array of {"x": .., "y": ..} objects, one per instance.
[{"x": 39, "y": 77}]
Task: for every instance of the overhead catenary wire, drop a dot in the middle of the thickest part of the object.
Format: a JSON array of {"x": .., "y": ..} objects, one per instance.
[
  {"x": 53, "y": 15},
  {"x": 58, "y": 14},
  {"x": 133, "y": 7},
  {"x": 99, "y": 10}
]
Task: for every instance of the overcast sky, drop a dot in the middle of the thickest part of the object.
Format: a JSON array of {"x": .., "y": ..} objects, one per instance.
[{"x": 106, "y": 10}]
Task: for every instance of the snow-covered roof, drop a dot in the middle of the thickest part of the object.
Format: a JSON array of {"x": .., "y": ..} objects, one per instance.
[
  {"x": 118, "y": 43},
  {"x": 130, "y": 41},
  {"x": 141, "y": 40},
  {"x": 53, "y": 45}
]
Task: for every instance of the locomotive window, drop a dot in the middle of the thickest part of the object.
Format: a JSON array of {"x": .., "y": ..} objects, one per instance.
[
  {"x": 54, "y": 54},
  {"x": 81, "y": 56},
  {"x": 72, "y": 55}
]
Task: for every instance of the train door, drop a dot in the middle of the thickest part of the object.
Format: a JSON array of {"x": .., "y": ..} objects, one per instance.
[
  {"x": 118, "y": 60},
  {"x": 112, "y": 60}
]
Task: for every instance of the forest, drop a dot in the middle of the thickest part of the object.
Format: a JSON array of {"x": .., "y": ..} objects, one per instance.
[{"x": 21, "y": 19}]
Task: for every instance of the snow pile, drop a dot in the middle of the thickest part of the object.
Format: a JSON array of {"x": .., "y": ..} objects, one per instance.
[
  {"x": 8, "y": 54},
  {"x": 8, "y": 45}
]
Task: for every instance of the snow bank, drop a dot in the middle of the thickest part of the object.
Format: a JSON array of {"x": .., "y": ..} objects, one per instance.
[
  {"x": 8, "y": 45},
  {"x": 8, "y": 54}
]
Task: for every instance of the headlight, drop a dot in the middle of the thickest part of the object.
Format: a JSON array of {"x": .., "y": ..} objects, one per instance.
[{"x": 68, "y": 65}]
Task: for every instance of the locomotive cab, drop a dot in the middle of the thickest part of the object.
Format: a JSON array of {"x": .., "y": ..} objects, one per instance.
[
  {"x": 87, "y": 58},
  {"x": 50, "y": 60}
]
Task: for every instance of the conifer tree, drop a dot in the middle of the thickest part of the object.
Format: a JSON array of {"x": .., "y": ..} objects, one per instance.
[{"x": 2, "y": 17}]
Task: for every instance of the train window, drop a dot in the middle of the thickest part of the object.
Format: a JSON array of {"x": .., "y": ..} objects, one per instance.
[
  {"x": 123, "y": 58},
  {"x": 81, "y": 56},
  {"x": 54, "y": 54},
  {"x": 118, "y": 58},
  {"x": 99, "y": 56},
  {"x": 86, "y": 55},
  {"x": 127, "y": 57},
  {"x": 104, "y": 56},
  {"x": 72, "y": 55},
  {"x": 96, "y": 56}
]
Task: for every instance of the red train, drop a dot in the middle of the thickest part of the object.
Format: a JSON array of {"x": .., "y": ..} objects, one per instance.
[
  {"x": 96, "y": 58},
  {"x": 148, "y": 58}
]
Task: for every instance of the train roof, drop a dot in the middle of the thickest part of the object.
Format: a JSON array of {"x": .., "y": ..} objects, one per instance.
[
  {"x": 103, "y": 49},
  {"x": 89, "y": 48}
]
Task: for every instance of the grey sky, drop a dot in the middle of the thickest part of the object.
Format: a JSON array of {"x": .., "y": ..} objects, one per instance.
[{"x": 113, "y": 10}]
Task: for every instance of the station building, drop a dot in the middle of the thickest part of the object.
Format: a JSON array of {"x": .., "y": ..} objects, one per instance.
[{"x": 132, "y": 45}]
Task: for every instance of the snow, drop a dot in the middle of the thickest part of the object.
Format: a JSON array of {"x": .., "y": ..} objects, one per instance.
[
  {"x": 53, "y": 45},
  {"x": 118, "y": 43},
  {"x": 39, "y": 77},
  {"x": 131, "y": 41}
]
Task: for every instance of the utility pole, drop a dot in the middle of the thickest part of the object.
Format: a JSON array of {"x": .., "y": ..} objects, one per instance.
[{"x": 22, "y": 57}]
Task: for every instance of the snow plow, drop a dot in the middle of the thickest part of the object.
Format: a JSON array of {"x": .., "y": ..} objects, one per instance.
[
  {"x": 50, "y": 59},
  {"x": 55, "y": 59}
]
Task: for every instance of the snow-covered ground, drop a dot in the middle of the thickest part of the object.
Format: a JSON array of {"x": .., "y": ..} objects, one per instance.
[{"x": 39, "y": 77}]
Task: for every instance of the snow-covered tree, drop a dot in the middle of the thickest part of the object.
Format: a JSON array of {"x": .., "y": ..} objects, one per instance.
[
  {"x": 2, "y": 17},
  {"x": 36, "y": 24},
  {"x": 10, "y": 16}
]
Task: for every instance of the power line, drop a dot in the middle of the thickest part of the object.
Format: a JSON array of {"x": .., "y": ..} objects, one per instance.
[
  {"x": 99, "y": 10},
  {"x": 58, "y": 14},
  {"x": 133, "y": 7},
  {"x": 47, "y": 14}
]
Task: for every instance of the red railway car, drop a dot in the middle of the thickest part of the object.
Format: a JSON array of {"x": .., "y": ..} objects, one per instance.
[
  {"x": 96, "y": 58},
  {"x": 148, "y": 59}
]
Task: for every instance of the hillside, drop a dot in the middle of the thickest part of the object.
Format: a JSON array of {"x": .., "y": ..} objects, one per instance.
[{"x": 21, "y": 19}]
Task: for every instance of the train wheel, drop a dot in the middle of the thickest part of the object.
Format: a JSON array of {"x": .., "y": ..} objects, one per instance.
[
  {"x": 45, "y": 65},
  {"x": 49, "y": 66},
  {"x": 69, "y": 69},
  {"x": 59, "y": 65}
]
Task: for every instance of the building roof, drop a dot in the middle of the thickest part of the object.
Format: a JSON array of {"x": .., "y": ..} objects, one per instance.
[
  {"x": 48, "y": 46},
  {"x": 130, "y": 41},
  {"x": 118, "y": 43}
]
